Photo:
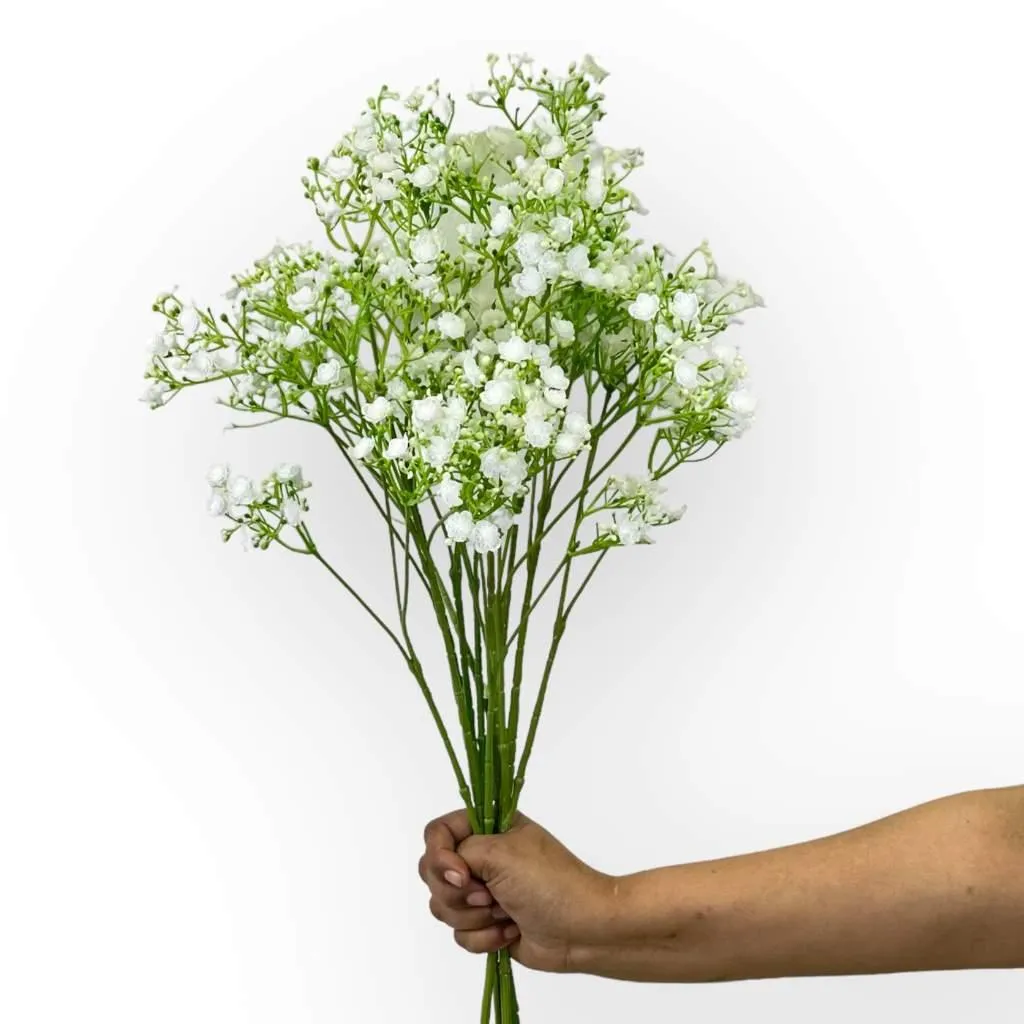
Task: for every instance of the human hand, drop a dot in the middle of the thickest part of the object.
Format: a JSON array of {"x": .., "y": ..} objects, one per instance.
[{"x": 520, "y": 889}]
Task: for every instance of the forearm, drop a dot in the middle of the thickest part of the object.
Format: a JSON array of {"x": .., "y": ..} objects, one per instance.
[{"x": 936, "y": 887}]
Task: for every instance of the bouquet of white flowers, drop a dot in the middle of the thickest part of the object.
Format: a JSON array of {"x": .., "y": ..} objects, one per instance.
[{"x": 482, "y": 340}]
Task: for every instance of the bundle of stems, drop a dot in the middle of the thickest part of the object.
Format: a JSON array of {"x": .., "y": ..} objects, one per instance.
[{"x": 484, "y": 605}]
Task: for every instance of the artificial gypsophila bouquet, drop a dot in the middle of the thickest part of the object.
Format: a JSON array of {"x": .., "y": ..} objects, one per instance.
[{"x": 483, "y": 340}]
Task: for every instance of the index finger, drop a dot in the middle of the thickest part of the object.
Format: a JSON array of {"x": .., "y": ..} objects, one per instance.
[
  {"x": 440, "y": 862},
  {"x": 446, "y": 832}
]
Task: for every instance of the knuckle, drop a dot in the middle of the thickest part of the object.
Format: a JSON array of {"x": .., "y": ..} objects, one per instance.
[
  {"x": 435, "y": 909},
  {"x": 421, "y": 867}
]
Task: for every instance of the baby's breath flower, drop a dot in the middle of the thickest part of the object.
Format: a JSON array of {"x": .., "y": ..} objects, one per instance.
[
  {"x": 501, "y": 221},
  {"x": 529, "y": 282},
  {"x": 644, "y": 307},
  {"x": 397, "y": 448},
  {"x": 514, "y": 349},
  {"x": 450, "y": 326},
  {"x": 480, "y": 289},
  {"x": 459, "y": 526},
  {"x": 340, "y": 168},
  {"x": 328, "y": 373},
  {"x": 485, "y": 537},
  {"x": 361, "y": 448},
  {"x": 684, "y": 305},
  {"x": 377, "y": 411}
]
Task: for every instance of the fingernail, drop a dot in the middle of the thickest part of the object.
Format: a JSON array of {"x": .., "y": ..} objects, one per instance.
[
  {"x": 511, "y": 932},
  {"x": 499, "y": 913},
  {"x": 479, "y": 899},
  {"x": 454, "y": 877}
]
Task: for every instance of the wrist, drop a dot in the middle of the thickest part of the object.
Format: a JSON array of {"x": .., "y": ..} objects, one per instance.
[{"x": 631, "y": 914}]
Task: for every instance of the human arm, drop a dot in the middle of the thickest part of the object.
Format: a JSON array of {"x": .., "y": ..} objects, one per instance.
[{"x": 939, "y": 886}]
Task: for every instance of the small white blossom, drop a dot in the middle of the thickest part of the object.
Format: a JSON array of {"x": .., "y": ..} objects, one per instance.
[
  {"x": 554, "y": 376},
  {"x": 502, "y": 519},
  {"x": 529, "y": 283},
  {"x": 426, "y": 411},
  {"x": 303, "y": 299},
  {"x": 382, "y": 162},
  {"x": 297, "y": 336},
  {"x": 362, "y": 447},
  {"x": 560, "y": 229},
  {"x": 564, "y": 330},
  {"x": 241, "y": 490},
  {"x": 742, "y": 402},
  {"x": 685, "y": 373},
  {"x": 438, "y": 451},
  {"x": 596, "y": 189},
  {"x": 328, "y": 373},
  {"x": 339, "y": 167},
  {"x": 471, "y": 370},
  {"x": 450, "y": 326},
  {"x": 425, "y": 247},
  {"x": 538, "y": 432},
  {"x": 497, "y": 394},
  {"x": 485, "y": 537},
  {"x": 490, "y": 463},
  {"x": 684, "y": 305},
  {"x": 577, "y": 260},
  {"x": 501, "y": 221},
  {"x": 396, "y": 269},
  {"x": 644, "y": 307},
  {"x": 216, "y": 505},
  {"x": 448, "y": 492},
  {"x": 553, "y": 181},
  {"x": 553, "y": 148},
  {"x": 384, "y": 190},
  {"x": 567, "y": 444},
  {"x": 378, "y": 410},
  {"x": 576, "y": 423},
  {"x": 458, "y": 526},
  {"x": 397, "y": 448},
  {"x": 514, "y": 349},
  {"x": 289, "y": 472},
  {"x": 529, "y": 248},
  {"x": 218, "y": 475}
]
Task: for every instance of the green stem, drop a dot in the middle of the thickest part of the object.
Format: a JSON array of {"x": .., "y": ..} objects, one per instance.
[
  {"x": 435, "y": 586},
  {"x": 467, "y": 797},
  {"x": 485, "y": 1009}
]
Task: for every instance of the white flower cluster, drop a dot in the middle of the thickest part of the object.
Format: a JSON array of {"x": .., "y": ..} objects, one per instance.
[
  {"x": 481, "y": 288},
  {"x": 636, "y": 505},
  {"x": 259, "y": 512}
]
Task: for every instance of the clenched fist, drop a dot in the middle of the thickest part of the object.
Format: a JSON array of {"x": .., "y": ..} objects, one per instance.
[{"x": 521, "y": 889}]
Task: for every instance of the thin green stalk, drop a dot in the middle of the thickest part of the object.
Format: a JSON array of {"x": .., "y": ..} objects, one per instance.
[
  {"x": 507, "y": 1011},
  {"x": 440, "y": 611},
  {"x": 558, "y": 630},
  {"x": 538, "y": 512},
  {"x": 464, "y": 791},
  {"x": 485, "y": 1009}
]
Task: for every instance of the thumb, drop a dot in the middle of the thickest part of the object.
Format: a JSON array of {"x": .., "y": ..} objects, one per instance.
[{"x": 484, "y": 854}]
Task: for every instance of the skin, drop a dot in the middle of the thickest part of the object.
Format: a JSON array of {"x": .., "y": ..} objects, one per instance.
[{"x": 939, "y": 886}]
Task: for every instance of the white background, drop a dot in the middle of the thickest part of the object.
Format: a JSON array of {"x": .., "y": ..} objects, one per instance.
[{"x": 214, "y": 776}]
